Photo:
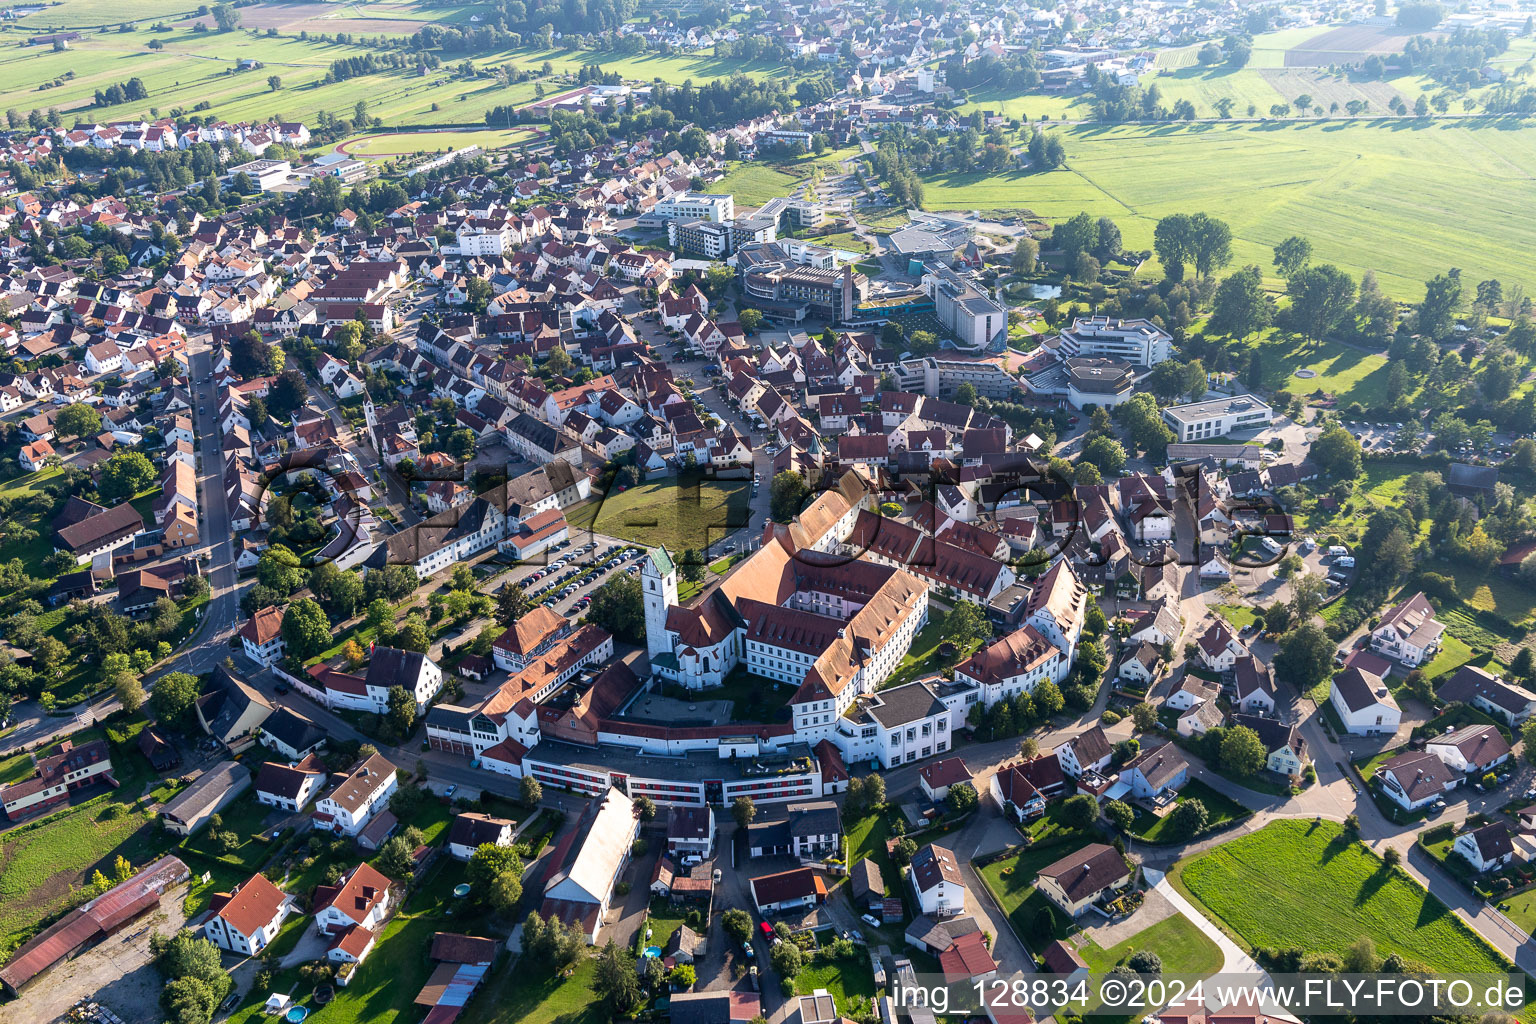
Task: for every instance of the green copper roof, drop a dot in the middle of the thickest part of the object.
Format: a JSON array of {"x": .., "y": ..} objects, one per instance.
[{"x": 662, "y": 559}]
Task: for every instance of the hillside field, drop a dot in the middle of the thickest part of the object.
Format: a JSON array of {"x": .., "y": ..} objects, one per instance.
[{"x": 1408, "y": 199}]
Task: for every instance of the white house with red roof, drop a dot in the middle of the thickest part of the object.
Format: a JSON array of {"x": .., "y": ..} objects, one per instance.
[{"x": 247, "y": 918}]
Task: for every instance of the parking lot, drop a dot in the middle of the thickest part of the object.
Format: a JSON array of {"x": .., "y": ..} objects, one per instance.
[{"x": 1382, "y": 438}]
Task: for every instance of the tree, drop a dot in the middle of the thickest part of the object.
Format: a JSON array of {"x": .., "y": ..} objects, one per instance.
[
  {"x": 1048, "y": 699},
  {"x": 125, "y": 475},
  {"x": 173, "y": 696},
  {"x": 1144, "y": 715},
  {"x": 1320, "y": 297},
  {"x": 491, "y": 871},
  {"x": 1119, "y": 814},
  {"x": 616, "y": 982},
  {"x": 1241, "y": 306},
  {"x": 306, "y": 630},
  {"x": 923, "y": 342},
  {"x": 961, "y": 797},
  {"x": 738, "y": 925},
  {"x": 1026, "y": 251},
  {"x": 1106, "y": 453},
  {"x": 558, "y": 360},
  {"x": 512, "y": 604},
  {"x": 786, "y": 958},
  {"x": 1305, "y": 656},
  {"x": 402, "y": 710},
  {"x": 189, "y": 1001},
  {"x": 226, "y": 17},
  {"x": 1528, "y": 738},
  {"x": 903, "y": 852},
  {"x": 1079, "y": 811},
  {"x": 77, "y": 420},
  {"x": 750, "y": 320},
  {"x": 1144, "y": 961},
  {"x": 690, "y": 566},
  {"x": 397, "y": 857},
  {"x": 1188, "y": 819},
  {"x": 967, "y": 624},
  {"x": 129, "y": 691},
  {"x": 645, "y": 807},
  {"x": 1437, "y": 313},
  {"x": 1307, "y": 592},
  {"x": 619, "y": 607},
  {"x": 1242, "y": 752},
  {"x": 965, "y": 394},
  {"x": 379, "y": 614},
  {"x": 274, "y": 82},
  {"x": 1337, "y": 452},
  {"x": 786, "y": 493},
  {"x": 743, "y": 810},
  {"x": 530, "y": 791}
]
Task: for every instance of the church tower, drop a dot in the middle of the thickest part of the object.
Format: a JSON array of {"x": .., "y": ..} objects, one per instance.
[{"x": 658, "y": 579}]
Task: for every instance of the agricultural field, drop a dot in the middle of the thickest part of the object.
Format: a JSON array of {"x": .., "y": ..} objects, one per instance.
[
  {"x": 194, "y": 67},
  {"x": 1304, "y": 883},
  {"x": 1359, "y": 188},
  {"x": 392, "y": 144}
]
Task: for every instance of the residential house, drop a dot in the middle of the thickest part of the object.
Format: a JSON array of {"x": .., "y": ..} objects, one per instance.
[
  {"x": 1080, "y": 878},
  {"x": 247, "y": 918},
  {"x": 936, "y": 881}
]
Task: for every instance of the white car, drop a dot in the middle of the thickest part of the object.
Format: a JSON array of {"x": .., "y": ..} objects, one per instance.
[{"x": 869, "y": 919}]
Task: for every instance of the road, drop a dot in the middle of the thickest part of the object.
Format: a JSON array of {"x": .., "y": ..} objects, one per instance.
[{"x": 209, "y": 643}]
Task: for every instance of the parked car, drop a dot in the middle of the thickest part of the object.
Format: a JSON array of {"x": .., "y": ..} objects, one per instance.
[{"x": 870, "y": 920}]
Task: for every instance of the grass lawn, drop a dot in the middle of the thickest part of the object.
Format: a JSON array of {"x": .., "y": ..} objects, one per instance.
[
  {"x": 1179, "y": 941},
  {"x": 1453, "y": 654},
  {"x": 1521, "y": 910},
  {"x": 244, "y": 818},
  {"x": 1239, "y": 615},
  {"x": 1012, "y": 882},
  {"x": 1222, "y": 809},
  {"x": 1050, "y": 826},
  {"x": 679, "y": 515},
  {"x": 755, "y": 183},
  {"x": 1359, "y": 187},
  {"x": 846, "y": 979},
  {"x": 922, "y": 657},
  {"x": 1302, "y": 883},
  {"x": 866, "y": 838},
  {"x": 665, "y": 919},
  {"x": 527, "y": 994}
]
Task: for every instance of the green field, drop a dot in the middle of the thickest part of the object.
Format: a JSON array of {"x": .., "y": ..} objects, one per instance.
[
  {"x": 44, "y": 860},
  {"x": 753, "y": 184},
  {"x": 665, "y": 512},
  {"x": 1303, "y": 883},
  {"x": 1361, "y": 191},
  {"x": 403, "y": 144},
  {"x": 1240, "y": 615},
  {"x": 195, "y": 67}
]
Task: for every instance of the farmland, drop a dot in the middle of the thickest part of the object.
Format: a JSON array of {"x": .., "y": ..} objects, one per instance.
[
  {"x": 1307, "y": 884},
  {"x": 407, "y": 143},
  {"x": 1360, "y": 188}
]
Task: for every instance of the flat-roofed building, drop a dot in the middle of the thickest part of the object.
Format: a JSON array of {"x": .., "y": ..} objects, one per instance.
[
  {"x": 1137, "y": 341},
  {"x": 1217, "y": 417}
]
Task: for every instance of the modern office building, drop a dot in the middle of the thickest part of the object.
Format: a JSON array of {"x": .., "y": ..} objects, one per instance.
[{"x": 1217, "y": 417}]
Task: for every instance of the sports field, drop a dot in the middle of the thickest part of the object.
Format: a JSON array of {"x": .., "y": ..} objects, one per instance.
[{"x": 1408, "y": 199}]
